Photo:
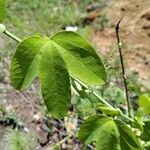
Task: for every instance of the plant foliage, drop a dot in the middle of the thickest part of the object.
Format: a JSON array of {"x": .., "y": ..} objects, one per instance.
[
  {"x": 109, "y": 134},
  {"x": 53, "y": 60},
  {"x": 144, "y": 103},
  {"x": 50, "y": 59},
  {"x": 17, "y": 140}
]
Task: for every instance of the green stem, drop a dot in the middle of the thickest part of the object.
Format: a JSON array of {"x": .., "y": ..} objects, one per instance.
[
  {"x": 126, "y": 117},
  {"x": 94, "y": 93},
  {"x": 81, "y": 83},
  {"x": 12, "y": 36},
  {"x": 102, "y": 100}
]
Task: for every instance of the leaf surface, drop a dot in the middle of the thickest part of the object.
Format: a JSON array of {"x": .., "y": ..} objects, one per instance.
[
  {"x": 24, "y": 66},
  {"x": 55, "y": 81},
  {"x": 38, "y": 56},
  {"x": 80, "y": 57},
  {"x": 102, "y": 130}
]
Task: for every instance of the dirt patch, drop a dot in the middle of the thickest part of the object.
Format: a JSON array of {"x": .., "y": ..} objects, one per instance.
[{"x": 134, "y": 32}]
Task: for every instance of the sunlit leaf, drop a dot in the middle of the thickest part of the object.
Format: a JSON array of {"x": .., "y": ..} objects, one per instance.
[
  {"x": 24, "y": 66},
  {"x": 80, "y": 57}
]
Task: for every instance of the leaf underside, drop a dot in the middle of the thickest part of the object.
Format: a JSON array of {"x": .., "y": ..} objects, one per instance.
[
  {"x": 108, "y": 134},
  {"x": 54, "y": 81},
  {"x": 24, "y": 66},
  {"x": 50, "y": 60}
]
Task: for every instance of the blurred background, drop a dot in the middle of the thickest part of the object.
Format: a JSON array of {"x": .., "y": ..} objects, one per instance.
[{"x": 24, "y": 120}]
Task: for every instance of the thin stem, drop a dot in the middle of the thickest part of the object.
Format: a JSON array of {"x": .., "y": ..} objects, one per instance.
[
  {"x": 123, "y": 69},
  {"x": 102, "y": 100},
  {"x": 61, "y": 142},
  {"x": 81, "y": 83},
  {"x": 94, "y": 93},
  {"x": 12, "y": 36},
  {"x": 126, "y": 117}
]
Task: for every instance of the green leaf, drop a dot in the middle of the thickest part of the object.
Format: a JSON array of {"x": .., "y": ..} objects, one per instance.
[
  {"x": 80, "y": 57},
  {"x": 2, "y": 10},
  {"x": 109, "y": 111},
  {"x": 128, "y": 140},
  {"x": 24, "y": 66},
  {"x": 38, "y": 56},
  {"x": 146, "y": 131},
  {"x": 108, "y": 134},
  {"x": 102, "y": 130},
  {"x": 144, "y": 103},
  {"x": 54, "y": 81},
  {"x": 46, "y": 58}
]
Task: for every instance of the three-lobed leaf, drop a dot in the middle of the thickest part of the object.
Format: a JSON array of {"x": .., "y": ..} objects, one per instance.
[
  {"x": 38, "y": 56},
  {"x": 108, "y": 134},
  {"x": 51, "y": 59}
]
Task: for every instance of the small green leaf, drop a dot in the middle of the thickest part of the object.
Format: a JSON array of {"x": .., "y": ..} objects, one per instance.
[
  {"x": 146, "y": 131},
  {"x": 102, "y": 130},
  {"x": 109, "y": 111},
  {"x": 2, "y": 28},
  {"x": 2, "y": 10},
  {"x": 108, "y": 134},
  {"x": 144, "y": 103},
  {"x": 54, "y": 81},
  {"x": 80, "y": 57}
]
